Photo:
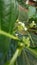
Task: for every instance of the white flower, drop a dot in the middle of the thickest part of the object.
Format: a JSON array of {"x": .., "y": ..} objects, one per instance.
[
  {"x": 27, "y": 1},
  {"x": 16, "y": 34},
  {"x": 22, "y": 24},
  {"x": 19, "y": 22},
  {"x": 33, "y": 22},
  {"x": 25, "y": 29}
]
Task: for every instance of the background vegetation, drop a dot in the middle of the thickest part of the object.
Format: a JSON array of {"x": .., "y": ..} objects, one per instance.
[{"x": 18, "y": 33}]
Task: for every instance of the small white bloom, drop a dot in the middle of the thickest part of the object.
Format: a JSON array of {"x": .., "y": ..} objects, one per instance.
[
  {"x": 27, "y": 1},
  {"x": 16, "y": 34},
  {"x": 33, "y": 22},
  {"x": 25, "y": 29},
  {"x": 23, "y": 24},
  {"x": 19, "y": 22}
]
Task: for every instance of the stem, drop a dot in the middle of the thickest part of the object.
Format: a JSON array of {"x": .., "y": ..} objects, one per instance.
[
  {"x": 15, "y": 57},
  {"x": 31, "y": 38},
  {"x": 8, "y": 35}
]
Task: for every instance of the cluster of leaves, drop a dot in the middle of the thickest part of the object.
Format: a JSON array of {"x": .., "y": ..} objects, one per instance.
[{"x": 18, "y": 34}]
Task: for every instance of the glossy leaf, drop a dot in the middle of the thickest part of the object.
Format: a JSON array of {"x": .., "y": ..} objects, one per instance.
[
  {"x": 8, "y": 16},
  {"x": 31, "y": 11}
]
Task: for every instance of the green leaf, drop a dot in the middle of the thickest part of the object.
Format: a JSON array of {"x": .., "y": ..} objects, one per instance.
[
  {"x": 33, "y": 51},
  {"x": 8, "y": 16},
  {"x": 31, "y": 11},
  {"x": 34, "y": 38},
  {"x": 27, "y": 58},
  {"x": 23, "y": 16}
]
